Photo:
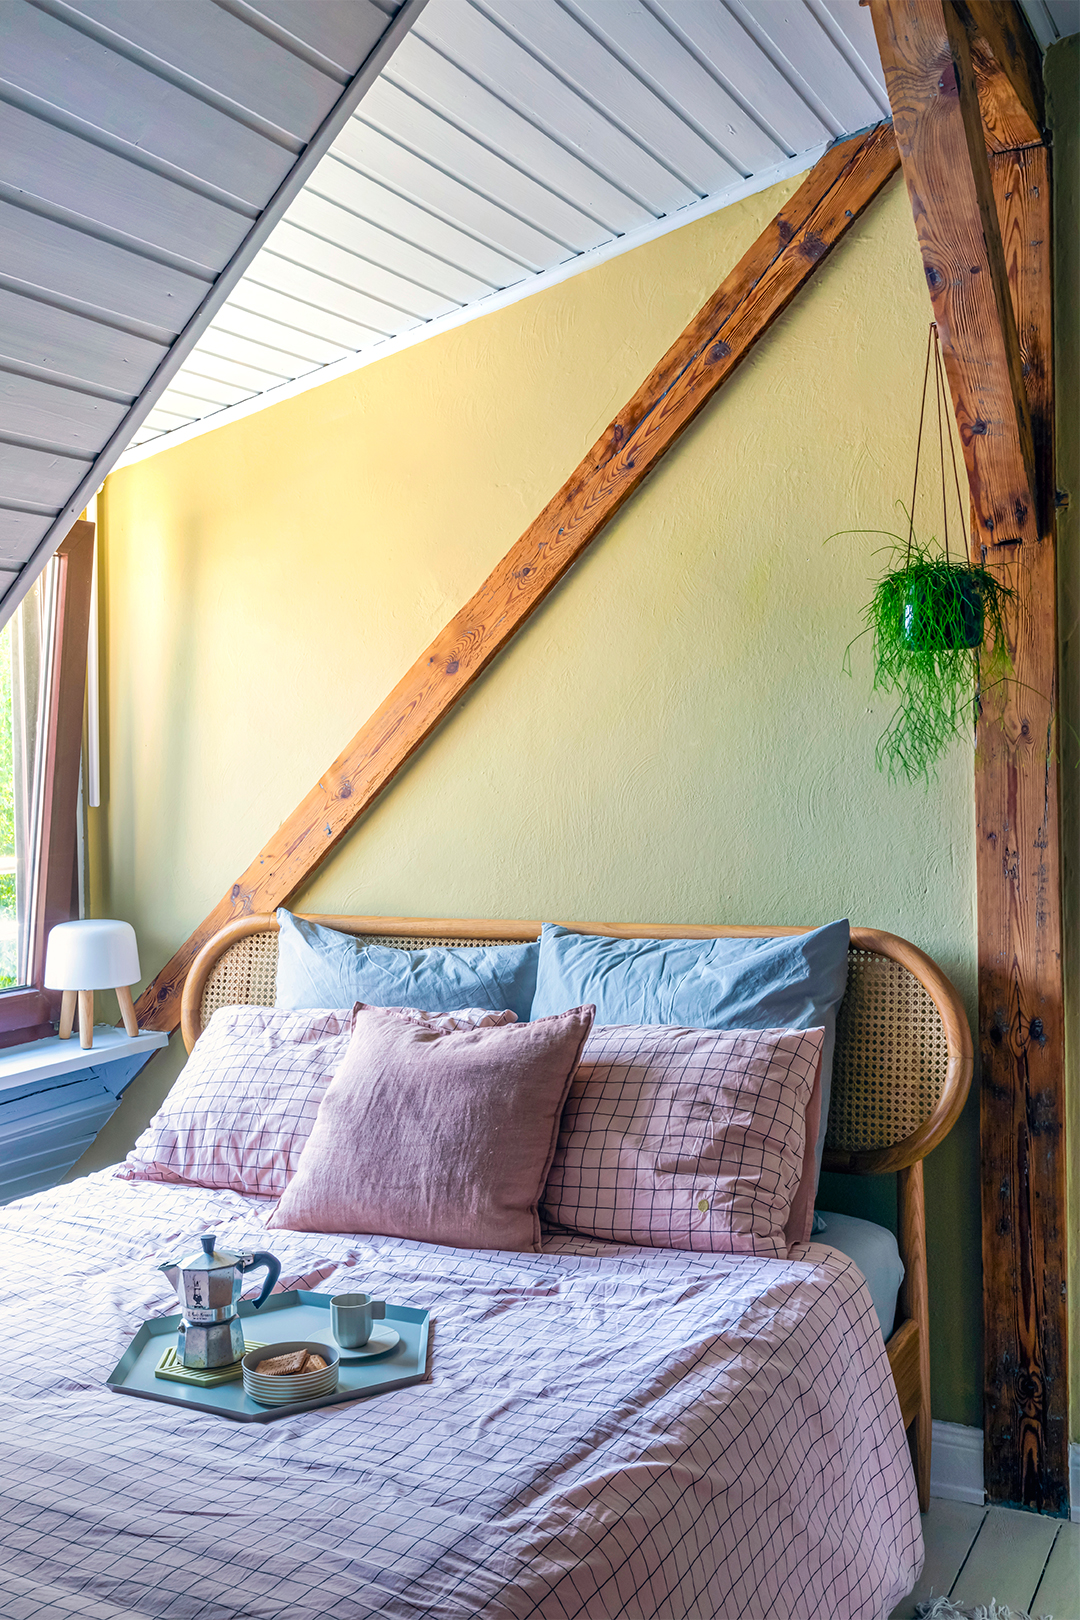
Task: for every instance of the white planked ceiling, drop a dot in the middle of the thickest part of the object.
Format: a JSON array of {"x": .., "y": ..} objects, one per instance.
[
  {"x": 147, "y": 147},
  {"x": 198, "y": 212},
  {"x": 507, "y": 137},
  {"x": 1052, "y": 19}
]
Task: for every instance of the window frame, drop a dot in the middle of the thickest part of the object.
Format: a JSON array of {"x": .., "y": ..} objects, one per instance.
[{"x": 29, "y": 1012}]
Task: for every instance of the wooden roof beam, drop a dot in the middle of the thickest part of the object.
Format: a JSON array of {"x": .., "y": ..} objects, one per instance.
[
  {"x": 930, "y": 76},
  {"x": 1008, "y": 72},
  {"x": 758, "y": 290}
]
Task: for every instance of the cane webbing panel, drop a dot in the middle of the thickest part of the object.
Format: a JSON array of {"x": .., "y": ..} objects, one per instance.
[
  {"x": 246, "y": 974},
  {"x": 891, "y": 1056},
  {"x": 891, "y": 1053},
  {"x": 243, "y": 976}
]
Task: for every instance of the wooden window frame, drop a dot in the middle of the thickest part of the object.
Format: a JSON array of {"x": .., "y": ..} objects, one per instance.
[{"x": 29, "y": 1012}]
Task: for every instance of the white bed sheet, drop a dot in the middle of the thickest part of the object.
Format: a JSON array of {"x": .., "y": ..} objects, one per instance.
[{"x": 615, "y": 1432}]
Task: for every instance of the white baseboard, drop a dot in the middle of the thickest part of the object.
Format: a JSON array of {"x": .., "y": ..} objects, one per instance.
[
  {"x": 956, "y": 1463},
  {"x": 956, "y": 1466}
]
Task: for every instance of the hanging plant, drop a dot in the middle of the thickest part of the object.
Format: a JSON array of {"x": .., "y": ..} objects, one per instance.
[
  {"x": 939, "y": 642},
  {"x": 939, "y": 630}
]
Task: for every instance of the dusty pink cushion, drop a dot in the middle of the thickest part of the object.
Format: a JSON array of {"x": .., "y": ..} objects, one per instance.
[
  {"x": 242, "y": 1108},
  {"x": 444, "y": 1136},
  {"x": 686, "y": 1138}
]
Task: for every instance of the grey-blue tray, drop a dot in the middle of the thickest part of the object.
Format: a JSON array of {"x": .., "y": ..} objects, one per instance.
[{"x": 296, "y": 1314}]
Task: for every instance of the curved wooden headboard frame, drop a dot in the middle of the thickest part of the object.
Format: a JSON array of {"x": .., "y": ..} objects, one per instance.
[{"x": 898, "y": 1156}]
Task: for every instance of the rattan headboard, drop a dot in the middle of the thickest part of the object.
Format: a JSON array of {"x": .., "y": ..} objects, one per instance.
[{"x": 903, "y": 1060}]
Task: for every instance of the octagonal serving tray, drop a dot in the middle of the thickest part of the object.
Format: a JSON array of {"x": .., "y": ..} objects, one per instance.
[{"x": 295, "y": 1314}]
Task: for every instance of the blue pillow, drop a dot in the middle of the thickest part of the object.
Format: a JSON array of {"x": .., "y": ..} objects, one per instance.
[
  {"x": 319, "y": 967},
  {"x": 791, "y": 982}
]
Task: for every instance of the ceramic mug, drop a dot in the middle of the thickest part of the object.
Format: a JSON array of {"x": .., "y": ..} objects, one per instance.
[{"x": 351, "y": 1316}]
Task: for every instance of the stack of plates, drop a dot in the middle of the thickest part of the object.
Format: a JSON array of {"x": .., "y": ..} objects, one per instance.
[{"x": 271, "y": 1390}]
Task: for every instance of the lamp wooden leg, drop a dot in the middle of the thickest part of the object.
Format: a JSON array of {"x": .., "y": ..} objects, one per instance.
[
  {"x": 86, "y": 1018},
  {"x": 127, "y": 1009},
  {"x": 67, "y": 1014}
]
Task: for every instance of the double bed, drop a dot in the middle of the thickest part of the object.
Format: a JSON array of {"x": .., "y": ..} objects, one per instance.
[{"x": 607, "y": 1429}]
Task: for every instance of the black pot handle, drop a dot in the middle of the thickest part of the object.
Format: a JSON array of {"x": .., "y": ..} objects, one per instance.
[{"x": 273, "y": 1272}]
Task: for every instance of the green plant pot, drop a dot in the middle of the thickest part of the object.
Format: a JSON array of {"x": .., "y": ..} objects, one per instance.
[{"x": 944, "y": 611}]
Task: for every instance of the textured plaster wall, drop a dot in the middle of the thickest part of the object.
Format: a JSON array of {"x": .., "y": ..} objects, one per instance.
[{"x": 671, "y": 738}]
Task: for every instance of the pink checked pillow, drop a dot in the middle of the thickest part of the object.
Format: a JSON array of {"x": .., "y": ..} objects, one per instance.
[
  {"x": 686, "y": 1138},
  {"x": 244, "y": 1104},
  {"x": 241, "y": 1110},
  {"x": 445, "y": 1136},
  {"x": 466, "y": 1018}
]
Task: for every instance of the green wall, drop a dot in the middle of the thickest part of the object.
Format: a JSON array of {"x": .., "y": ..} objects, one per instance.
[{"x": 672, "y": 738}]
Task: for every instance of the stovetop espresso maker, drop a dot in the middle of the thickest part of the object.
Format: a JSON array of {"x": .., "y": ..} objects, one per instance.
[{"x": 208, "y": 1285}]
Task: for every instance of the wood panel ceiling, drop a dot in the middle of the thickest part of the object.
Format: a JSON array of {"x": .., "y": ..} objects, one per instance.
[
  {"x": 202, "y": 201},
  {"x": 146, "y": 151},
  {"x": 506, "y": 137}
]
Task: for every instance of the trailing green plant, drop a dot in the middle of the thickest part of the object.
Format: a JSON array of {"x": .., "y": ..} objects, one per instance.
[{"x": 940, "y": 644}]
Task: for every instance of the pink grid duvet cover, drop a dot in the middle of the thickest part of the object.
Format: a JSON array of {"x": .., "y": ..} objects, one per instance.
[{"x": 608, "y": 1431}]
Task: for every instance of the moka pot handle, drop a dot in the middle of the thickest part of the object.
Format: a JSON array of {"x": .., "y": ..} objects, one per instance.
[{"x": 252, "y": 1262}]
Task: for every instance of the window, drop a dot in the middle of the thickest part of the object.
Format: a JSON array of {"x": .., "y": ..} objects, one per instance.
[{"x": 42, "y": 691}]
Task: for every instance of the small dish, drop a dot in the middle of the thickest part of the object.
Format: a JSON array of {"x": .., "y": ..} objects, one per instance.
[
  {"x": 383, "y": 1338},
  {"x": 269, "y": 1389}
]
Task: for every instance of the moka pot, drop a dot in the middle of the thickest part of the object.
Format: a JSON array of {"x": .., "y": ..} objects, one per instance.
[{"x": 208, "y": 1285}]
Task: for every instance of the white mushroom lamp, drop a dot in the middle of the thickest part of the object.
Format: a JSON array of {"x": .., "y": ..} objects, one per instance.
[{"x": 92, "y": 954}]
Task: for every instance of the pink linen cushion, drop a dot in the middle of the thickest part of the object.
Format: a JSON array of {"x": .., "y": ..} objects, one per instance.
[
  {"x": 442, "y": 1136},
  {"x": 686, "y": 1138},
  {"x": 243, "y": 1106}
]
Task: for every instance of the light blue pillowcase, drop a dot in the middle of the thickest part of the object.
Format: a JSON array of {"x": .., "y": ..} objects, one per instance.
[
  {"x": 320, "y": 967},
  {"x": 790, "y": 982}
]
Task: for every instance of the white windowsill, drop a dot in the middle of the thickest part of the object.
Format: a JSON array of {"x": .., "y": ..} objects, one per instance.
[{"x": 45, "y": 1059}]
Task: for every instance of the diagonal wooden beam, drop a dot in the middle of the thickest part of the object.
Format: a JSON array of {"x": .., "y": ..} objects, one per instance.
[
  {"x": 930, "y": 76},
  {"x": 760, "y": 288},
  {"x": 1008, "y": 69}
]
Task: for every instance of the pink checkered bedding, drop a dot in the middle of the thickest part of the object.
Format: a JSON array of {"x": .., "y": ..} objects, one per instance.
[{"x": 608, "y": 1431}]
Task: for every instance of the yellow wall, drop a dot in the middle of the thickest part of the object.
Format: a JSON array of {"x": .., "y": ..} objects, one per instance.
[{"x": 671, "y": 738}]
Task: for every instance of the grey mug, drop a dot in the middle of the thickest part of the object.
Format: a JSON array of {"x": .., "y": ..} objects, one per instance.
[{"x": 351, "y": 1316}]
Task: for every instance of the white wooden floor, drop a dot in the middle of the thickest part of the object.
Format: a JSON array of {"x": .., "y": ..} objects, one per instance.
[{"x": 974, "y": 1554}]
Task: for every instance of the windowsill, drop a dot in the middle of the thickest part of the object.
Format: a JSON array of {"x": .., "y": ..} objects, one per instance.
[{"x": 35, "y": 1061}]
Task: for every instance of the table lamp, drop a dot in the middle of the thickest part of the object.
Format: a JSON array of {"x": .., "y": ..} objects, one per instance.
[{"x": 92, "y": 954}]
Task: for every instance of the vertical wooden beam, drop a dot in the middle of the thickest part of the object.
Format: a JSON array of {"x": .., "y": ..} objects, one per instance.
[
  {"x": 1008, "y": 65},
  {"x": 930, "y": 75},
  {"x": 1021, "y": 1010}
]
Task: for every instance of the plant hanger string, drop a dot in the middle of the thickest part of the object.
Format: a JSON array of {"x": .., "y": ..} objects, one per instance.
[{"x": 941, "y": 400}]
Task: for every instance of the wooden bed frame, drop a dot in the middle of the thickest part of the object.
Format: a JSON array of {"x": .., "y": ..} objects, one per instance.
[{"x": 901, "y": 1073}]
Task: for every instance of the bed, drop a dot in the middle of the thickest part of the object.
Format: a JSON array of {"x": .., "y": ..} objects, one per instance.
[{"x": 609, "y": 1430}]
